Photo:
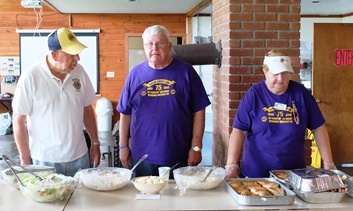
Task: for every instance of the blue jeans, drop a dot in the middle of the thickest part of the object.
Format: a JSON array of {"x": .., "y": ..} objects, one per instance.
[
  {"x": 150, "y": 169},
  {"x": 68, "y": 168}
]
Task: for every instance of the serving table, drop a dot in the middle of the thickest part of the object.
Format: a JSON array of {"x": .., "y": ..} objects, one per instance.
[{"x": 124, "y": 199}]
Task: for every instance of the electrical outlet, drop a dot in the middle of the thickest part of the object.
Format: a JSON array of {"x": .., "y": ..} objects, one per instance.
[{"x": 110, "y": 74}]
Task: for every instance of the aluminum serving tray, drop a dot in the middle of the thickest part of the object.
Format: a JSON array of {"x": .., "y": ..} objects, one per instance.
[
  {"x": 314, "y": 180},
  {"x": 320, "y": 198},
  {"x": 343, "y": 175},
  {"x": 287, "y": 199},
  {"x": 283, "y": 181}
]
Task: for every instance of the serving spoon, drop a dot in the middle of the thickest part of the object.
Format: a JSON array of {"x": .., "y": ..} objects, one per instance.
[
  {"x": 5, "y": 158},
  {"x": 166, "y": 172},
  {"x": 138, "y": 162},
  {"x": 209, "y": 173}
]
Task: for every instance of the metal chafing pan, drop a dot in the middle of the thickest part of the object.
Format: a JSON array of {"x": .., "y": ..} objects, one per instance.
[
  {"x": 318, "y": 185},
  {"x": 273, "y": 174},
  {"x": 343, "y": 175},
  {"x": 315, "y": 180},
  {"x": 322, "y": 197},
  {"x": 287, "y": 199}
]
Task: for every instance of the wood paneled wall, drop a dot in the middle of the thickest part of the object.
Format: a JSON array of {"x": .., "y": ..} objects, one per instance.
[{"x": 115, "y": 29}]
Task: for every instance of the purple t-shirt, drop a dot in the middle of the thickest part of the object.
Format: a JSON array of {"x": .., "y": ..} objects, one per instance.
[
  {"x": 276, "y": 126},
  {"x": 162, "y": 104}
]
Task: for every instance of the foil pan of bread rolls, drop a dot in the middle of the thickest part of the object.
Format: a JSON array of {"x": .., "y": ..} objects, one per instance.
[
  {"x": 315, "y": 180},
  {"x": 259, "y": 191},
  {"x": 333, "y": 196},
  {"x": 318, "y": 185}
]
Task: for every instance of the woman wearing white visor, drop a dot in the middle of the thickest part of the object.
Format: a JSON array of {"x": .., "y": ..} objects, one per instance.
[{"x": 271, "y": 121}]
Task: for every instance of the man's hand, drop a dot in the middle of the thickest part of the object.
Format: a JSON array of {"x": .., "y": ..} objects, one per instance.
[
  {"x": 95, "y": 157},
  {"x": 124, "y": 156},
  {"x": 194, "y": 158}
]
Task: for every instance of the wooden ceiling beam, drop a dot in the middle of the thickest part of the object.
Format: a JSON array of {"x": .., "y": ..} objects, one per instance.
[
  {"x": 51, "y": 7},
  {"x": 198, "y": 8}
]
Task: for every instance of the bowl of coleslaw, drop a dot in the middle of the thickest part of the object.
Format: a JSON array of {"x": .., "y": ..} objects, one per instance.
[
  {"x": 191, "y": 177},
  {"x": 149, "y": 184},
  {"x": 104, "y": 178},
  {"x": 53, "y": 188}
]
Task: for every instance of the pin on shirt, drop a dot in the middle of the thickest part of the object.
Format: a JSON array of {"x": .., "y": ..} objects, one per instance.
[{"x": 295, "y": 113}]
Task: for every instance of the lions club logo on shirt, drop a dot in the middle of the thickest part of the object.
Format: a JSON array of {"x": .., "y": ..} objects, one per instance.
[
  {"x": 76, "y": 83},
  {"x": 278, "y": 114},
  {"x": 159, "y": 88}
]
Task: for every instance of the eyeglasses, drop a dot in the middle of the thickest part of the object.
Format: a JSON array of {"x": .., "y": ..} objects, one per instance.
[{"x": 159, "y": 44}]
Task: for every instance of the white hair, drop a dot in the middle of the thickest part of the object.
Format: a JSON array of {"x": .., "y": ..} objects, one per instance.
[{"x": 154, "y": 30}]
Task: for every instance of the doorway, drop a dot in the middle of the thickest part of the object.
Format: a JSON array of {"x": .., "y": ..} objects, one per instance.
[{"x": 332, "y": 79}]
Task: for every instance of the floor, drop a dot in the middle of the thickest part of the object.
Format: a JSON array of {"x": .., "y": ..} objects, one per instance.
[{"x": 7, "y": 147}]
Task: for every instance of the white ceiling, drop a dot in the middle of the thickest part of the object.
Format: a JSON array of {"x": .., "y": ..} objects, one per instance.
[
  {"x": 324, "y": 7},
  {"x": 125, "y": 6}
]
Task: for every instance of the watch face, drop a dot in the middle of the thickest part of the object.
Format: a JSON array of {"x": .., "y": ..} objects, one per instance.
[{"x": 196, "y": 148}]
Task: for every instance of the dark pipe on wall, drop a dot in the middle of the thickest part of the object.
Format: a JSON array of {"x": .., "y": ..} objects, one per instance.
[{"x": 198, "y": 54}]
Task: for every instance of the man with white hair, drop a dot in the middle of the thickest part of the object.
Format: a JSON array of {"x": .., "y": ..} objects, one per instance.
[
  {"x": 52, "y": 105},
  {"x": 162, "y": 108}
]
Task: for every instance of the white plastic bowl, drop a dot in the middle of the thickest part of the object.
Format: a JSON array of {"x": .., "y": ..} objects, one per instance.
[
  {"x": 149, "y": 184},
  {"x": 105, "y": 178},
  {"x": 54, "y": 188},
  {"x": 191, "y": 177}
]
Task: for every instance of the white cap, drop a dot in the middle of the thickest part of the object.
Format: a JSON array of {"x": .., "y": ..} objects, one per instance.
[{"x": 278, "y": 64}]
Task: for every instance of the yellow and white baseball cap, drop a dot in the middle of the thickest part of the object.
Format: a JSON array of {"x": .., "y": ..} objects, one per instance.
[
  {"x": 64, "y": 39},
  {"x": 278, "y": 64}
]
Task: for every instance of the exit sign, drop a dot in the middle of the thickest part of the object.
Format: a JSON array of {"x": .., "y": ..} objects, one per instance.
[{"x": 344, "y": 57}]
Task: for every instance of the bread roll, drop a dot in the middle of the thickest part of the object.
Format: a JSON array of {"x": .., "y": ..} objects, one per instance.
[
  {"x": 268, "y": 184},
  {"x": 246, "y": 192},
  {"x": 235, "y": 183},
  {"x": 239, "y": 189},
  {"x": 257, "y": 190},
  {"x": 281, "y": 175},
  {"x": 251, "y": 184},
  {"x": 262, "y": 193},
  {"x": 276, "y": 191}
]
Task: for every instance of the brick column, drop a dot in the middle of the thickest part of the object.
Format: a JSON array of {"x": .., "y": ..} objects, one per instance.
[{"x": 248, "y": 29}]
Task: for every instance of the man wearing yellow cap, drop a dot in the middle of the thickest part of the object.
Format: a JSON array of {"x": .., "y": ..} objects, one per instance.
[{"x": 52, "y": 105}]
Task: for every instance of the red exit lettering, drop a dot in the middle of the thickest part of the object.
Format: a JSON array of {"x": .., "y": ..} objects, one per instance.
[{"x": 344, "y": 57}]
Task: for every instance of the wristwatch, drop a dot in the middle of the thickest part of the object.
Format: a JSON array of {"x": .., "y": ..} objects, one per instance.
[{"x": 196, "y": 148}]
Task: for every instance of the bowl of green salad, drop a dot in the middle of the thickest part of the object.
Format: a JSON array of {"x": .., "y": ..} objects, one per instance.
[
  {"x": 53, "y": 188},
  {"x": 12, "y": 180}
]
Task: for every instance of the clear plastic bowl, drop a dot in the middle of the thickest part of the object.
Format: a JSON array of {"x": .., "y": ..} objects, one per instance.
[
  {"x": 12, "y": 180},
  {"x": 191, "y": 177},
  {"x": 54, "y": 188},
  {"x": 104, "y": 178}
]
